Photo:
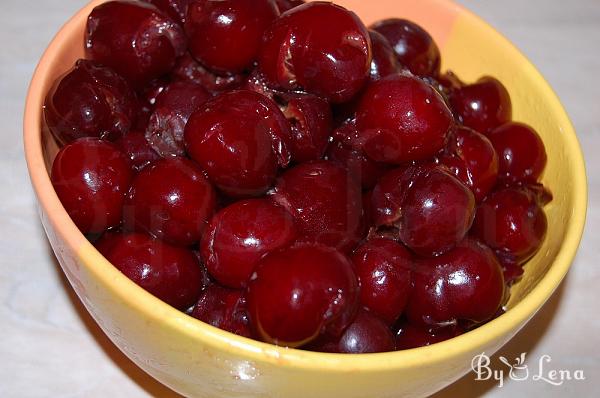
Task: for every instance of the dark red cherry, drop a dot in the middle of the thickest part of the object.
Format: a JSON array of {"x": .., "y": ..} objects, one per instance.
[
  {"x": 384, "y": 61},
  {"x": 512, "y": 222},
  {"x": 366, "y": 334},
  {"x": 136, "y": 39},
  {"x": 312, "y": 122},
  {"x": 463, "y": 284},
  {"x": 137, "y": 148},
  {"x": 325, "y": 201},
  {"x": 521, "y": 152},
  {"x": 225, "y": 35},
  {"x": 414, "y": 47},
  {"x": 240, "y": 138},
  {"x": 188, "y": 69},
  {"x": 299, "y": 293},
  {"x": 320, "y": 47},
  {"x": 437, "y": 211},
  {"x": 89, "y": 100},
  {"x": 285, "y": 5},
  {"x": 400, "y": 118},
  {"x": 173, "y": 108},
  {"x": 384, "y": 270},
  {"x": 239, "y": 235},
  {"x": 91, "y": 178},
  {"x": 176, "y": 9},
  {"x": 431, "y": 209},
  {"x": 170, "y": 273},
  {"x": 225, "y": 309},
  {"x": 172, "y": 200},
  {"x": 483, "y": 105},
  {"x": 472, "y": 159},
  {"x": 411, "y": 335},
  {"x": 359, "y": 165}
]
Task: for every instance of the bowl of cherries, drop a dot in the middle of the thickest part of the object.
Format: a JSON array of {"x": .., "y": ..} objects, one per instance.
[{"x": 277, "y": 198}]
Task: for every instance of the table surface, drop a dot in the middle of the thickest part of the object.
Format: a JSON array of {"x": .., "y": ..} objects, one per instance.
[{"x": 49, "y": 346}]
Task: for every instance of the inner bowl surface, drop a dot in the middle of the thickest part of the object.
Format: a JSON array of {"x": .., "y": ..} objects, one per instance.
[{"x": 196, "y": 359}]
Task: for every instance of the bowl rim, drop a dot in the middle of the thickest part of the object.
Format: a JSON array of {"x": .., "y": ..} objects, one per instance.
[{"x": 261, "y": 352}]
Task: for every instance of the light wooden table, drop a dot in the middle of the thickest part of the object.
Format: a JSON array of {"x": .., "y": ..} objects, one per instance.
[{"x": 50, "y": 347}]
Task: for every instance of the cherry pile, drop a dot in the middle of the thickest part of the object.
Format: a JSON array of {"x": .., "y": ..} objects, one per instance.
[{"x": 281, "y": 171}]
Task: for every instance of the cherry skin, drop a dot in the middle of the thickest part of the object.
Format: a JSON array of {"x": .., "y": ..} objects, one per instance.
[
  {"x": 170, "y": 273},
  {"x": 225, "y": 35},
  {"x": 366, "y": 334},
  {"x": 414, "y": 47},
  {"x": 225, "y": 309},
  {"x": 91, "y": 178},
  {"x": 512, "y": 222},
  {"x": 176, "y": 9},
  {"x": 285, "y": 5},
  {"x": 239, "y": 235},
  {"x": 301, "y": 292},
  {"x": 325, "y": 202},
  {"x": 482, "y": 106},
  {"x": 431, "y": 209},
  {"x": 384, "y": 271},
  {"x": 172, "y": 110},
  {"x": 463, "y": 284},
  {"x": 411, "y": 335},
  {"x": 400, "y": 118},
  {"x": 472, "y": 159},
  {"x": 521, "y": 152},
  {"x": 359, "y": 165},
  {"x": 172, "y": 200},
  {"x": 113, "y": 34},
  {"x": 311, "y": 122},
  {"x": 136, "y": 147},
  {"x": 188, "y": 69},
  {"x": 384, "y": 61},
  {"x": 320, "y": 47},
  {"x": 240, "y": 138},
  {"x": 90, "y": 100}
]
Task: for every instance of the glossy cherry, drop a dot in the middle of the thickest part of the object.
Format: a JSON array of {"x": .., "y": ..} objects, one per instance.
[
  {"x": 176, "y": 9},
  {"x": 411, "y": 335},
  {"x": 90, "y": 100},
  {"x": 172, "y": 200},
  {"x": 384, "y": 62},
  {"x": 430, "y": 207},
  {"x": 463, "y": 284},
  {"x": 137, "y": 148},
  {"x": 311, "y": 122},
  {"x": 91, "y": 178},
  {"x": 239, "y": 235},
  {"x": 521, "y": 152},
  {"x": 240, "y": 138},
  {"x": 320, "y": 47},
  {"x": 400, "y": 118},
  {"x": 414, "y": 47},
  {"x": 325, "y": 201},
  {"x": 224, "y": 308},
  {"x": 483, "y": 105},
  {"x": 136, "y": 39},
  {"x": 172, "y": 110},
  {"x": 366, "y": 334},
  {"x": 472, "y": 159},
  {"x": 188, "y": 69},
  {"x": 512, "y": 222},
  {"x": 299, "y": 293},
  {"x": 172, "y": 274},
  {"x": 225, "y": 35},
  {"x": 384, "y": 270},
  {"x": 359, "y": 165}
]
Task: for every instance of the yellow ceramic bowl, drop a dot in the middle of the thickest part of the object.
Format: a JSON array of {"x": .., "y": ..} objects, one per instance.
[{"x": 198, "y": 360}]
